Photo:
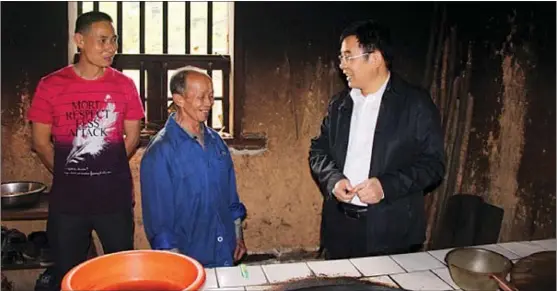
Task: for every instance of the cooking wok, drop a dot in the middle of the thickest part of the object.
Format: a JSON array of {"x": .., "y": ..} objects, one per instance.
[
  {"x": 535, "y": 272},
  {"x": 21, "y": 193},
  {"x": 333, "y": 284}
]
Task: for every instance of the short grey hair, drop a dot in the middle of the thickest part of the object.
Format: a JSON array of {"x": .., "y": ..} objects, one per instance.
[{"x": 178, "y": 80}]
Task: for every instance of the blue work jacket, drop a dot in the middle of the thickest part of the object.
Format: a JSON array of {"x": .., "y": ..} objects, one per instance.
[{"x": 189, "y": 197}]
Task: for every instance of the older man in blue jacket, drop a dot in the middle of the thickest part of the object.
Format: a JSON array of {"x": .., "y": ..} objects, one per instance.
[{"x": 188, "y": 185}]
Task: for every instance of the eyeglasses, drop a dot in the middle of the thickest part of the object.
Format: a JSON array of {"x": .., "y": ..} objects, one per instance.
[{"x": 349, "y": 58}]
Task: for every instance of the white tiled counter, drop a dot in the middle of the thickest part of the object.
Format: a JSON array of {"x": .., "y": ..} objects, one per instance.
[{"x": 416, "y": 271}]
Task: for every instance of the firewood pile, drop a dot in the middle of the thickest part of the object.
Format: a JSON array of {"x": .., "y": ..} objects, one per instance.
[{"x": 447, "y": 75}]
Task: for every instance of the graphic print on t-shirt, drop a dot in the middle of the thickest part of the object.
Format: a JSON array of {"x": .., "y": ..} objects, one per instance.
[
  {"x": 91, "y": 171},
  {"x": 94, "y": 122}
]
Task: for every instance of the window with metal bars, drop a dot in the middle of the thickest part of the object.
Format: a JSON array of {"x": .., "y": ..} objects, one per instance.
[{"x": 156, "y": 38}]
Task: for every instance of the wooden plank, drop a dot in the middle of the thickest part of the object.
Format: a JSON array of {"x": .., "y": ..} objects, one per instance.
[
  {"x": 209, "y": 28},
  {"x": 188, "y": 27},
  {"x": 210, "y": 119},
  {"x": 142, "y": 82},
  {"x": 38, "y": 212},
  {"x": 131, "y": 61},
  {"x": 119, "y": 25},
  {"x": 164, "y": 91},
  {"x": 155, "y": 102},
  {"x": 164, "y": 27},
  {"x": 226, "y": 100},
  {"x": 142, "y": 27},
  {"x": 239, "y": 75}
]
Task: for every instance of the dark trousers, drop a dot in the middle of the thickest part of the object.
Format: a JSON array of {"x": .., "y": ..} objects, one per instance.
[
  {"x": 345, "y": 236},
  {"x": 70, "y": 238}
]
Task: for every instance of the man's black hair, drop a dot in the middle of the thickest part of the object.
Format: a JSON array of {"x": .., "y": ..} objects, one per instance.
[
  {"x": 85, "y": 20},
  {"x": 371, "y": 37}
]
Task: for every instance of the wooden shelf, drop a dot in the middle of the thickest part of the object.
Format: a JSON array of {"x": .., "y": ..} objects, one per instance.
[
  {"x": 25, "y": 266},
  {"x": 37, "y": 212}
]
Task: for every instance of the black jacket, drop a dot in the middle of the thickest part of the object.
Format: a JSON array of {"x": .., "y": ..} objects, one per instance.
[{"x": 407, "y": 158}]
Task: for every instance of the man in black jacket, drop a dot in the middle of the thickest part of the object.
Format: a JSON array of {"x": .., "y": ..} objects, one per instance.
[{"x": 379, "y": 149}]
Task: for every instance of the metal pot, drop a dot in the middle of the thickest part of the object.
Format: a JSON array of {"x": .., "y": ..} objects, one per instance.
[
  {"x": 21, "y": 193},
  {"x": 479, "y": 269}
]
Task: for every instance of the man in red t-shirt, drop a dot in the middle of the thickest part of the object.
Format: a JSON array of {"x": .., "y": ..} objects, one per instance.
[{"x": 92, "y": 113}]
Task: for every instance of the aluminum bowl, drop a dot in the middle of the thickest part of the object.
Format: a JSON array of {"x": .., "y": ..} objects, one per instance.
[
  {"x": 474, "y": 268},
  {"x": 21, "y": 193}
]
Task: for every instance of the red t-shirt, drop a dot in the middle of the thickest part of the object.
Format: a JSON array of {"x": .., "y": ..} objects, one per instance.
[{"x": 91, "y": 169}]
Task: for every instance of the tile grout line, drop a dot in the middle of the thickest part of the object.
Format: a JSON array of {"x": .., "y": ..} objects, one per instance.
[
  {"x": 217, "y": 278},
  {"x": 305, "y": 263},
  {"x": 394, "y": 281},
  {"x": 535, "y": 244},
  {"x": 448, "y": 284},
  {"x": 442, "y": 262},
  {"x": 406, "y": 271},
  {"x": 313, "y": 274},
  {"x": 357, "y": 270},
  {"x": 519, "y": 255},
  {"x": 497, "y": 248},
  {"x": 265, "y": 274}
]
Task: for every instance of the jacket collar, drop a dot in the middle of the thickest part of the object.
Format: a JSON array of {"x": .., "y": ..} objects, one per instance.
[
  {"x": 392, "y": 88},
  {"x": 394, "y": 84},
  {"x": 175, "y": 130}
]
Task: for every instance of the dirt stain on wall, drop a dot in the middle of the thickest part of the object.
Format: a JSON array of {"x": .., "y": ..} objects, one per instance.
[
  {"x": 283, "y": 202},
  {"x": 19, "y": 162},
  {"x": 506, "y": 150}
]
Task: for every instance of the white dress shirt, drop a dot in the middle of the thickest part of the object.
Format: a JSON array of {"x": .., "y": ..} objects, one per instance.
[{"x": 360, "y": 139}]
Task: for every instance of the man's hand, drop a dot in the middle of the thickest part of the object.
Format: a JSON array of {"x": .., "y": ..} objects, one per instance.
[
  {"x": 343, "y": 190},
  {"x": 240, "y": 250},
  {"x": 369, "y": 191}
]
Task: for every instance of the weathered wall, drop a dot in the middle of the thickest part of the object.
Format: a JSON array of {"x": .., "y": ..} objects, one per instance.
[
  {"x": 290, "y": 62},
  {"x": 511, "y": 155},
  {"x": 33, "y": 43},
  {"x": 292, "y": 71}
]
